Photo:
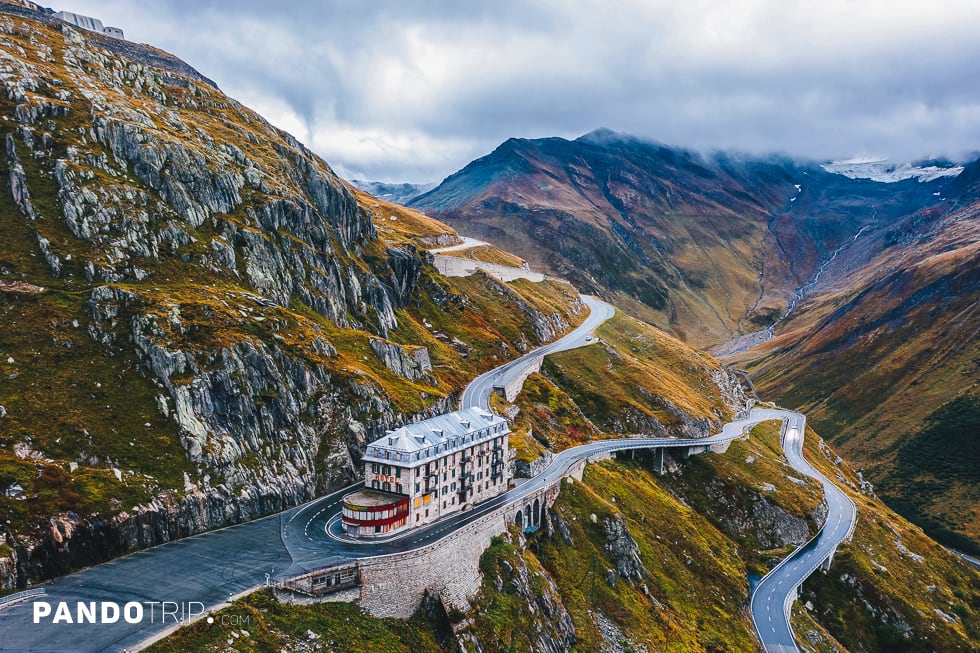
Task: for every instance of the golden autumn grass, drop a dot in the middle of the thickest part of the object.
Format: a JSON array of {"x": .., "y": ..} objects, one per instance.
[
  {"x": 488, "y": 254},
  {"x": 632, "y": 367},
  {"x": 397, "y": 223}
]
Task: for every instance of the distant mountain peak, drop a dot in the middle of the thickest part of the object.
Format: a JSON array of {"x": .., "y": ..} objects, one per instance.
[
  {"x": 606, "y": 136},
  {"x": 399, "y": 193}
]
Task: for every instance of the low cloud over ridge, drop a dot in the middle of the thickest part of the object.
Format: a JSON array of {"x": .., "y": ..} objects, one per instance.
[{"x": 414, "y": 90}]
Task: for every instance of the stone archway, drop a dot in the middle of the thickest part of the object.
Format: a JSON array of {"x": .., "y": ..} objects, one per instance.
[
  {"x": 519, "y": 519},
  {"x": 527, "y": 515},
  {"x": 536, "y": 513}
]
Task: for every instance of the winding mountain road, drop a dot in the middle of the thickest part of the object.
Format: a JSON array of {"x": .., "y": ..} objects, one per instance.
[
  {"x": 214, "y": 567},
  {"x": 468, "y": 243},
  {"x": 477, "y": 393},
  {"x": 773, "y": 597}
]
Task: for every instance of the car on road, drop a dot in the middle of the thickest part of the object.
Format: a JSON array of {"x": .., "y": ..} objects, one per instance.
[{"x": 588, "y": 338}]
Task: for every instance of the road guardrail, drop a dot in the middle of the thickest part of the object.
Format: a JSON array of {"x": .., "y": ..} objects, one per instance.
[{"x": 17, "y": 597}]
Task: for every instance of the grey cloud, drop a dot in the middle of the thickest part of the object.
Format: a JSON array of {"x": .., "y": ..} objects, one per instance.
[{"x": 413, "y": 90}]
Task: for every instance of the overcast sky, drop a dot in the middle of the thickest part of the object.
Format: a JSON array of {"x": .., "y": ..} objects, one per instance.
[{"x": 412, "y": 90}]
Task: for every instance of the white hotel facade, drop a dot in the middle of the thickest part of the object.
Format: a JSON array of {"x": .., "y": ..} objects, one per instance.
[{"x": 421, "y": 472}]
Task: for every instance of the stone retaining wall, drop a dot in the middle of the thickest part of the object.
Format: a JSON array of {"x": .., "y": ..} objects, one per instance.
[
  {"x": 453, "y": 266},
  {"x": 394, "y": 585},
  {"x": 514, "y": 386}
]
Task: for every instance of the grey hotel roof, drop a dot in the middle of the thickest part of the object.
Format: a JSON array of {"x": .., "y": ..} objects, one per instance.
[{"x": 436, "y": 436}]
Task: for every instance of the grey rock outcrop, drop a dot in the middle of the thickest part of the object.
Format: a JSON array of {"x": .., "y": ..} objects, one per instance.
[
  {"x": 732, "y": 393},
  {"x": 773, "y": 526},
  {"x": 280, "y": 221},
  {"x": 750, "y": 512},
  {"x": 623, "y": 549},
  {"x": 546, "y": 327},
  {"x": 411, "y": 365}
]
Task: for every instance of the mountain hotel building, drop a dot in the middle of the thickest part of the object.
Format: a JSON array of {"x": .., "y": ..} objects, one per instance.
[{"x": 420, "y": 472}]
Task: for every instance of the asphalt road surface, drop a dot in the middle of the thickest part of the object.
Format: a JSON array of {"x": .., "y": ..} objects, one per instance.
[
  {"x": 774, "y": 595},
  {"x": 468, "y": 243},
  {"x": 477, "y": 393}
]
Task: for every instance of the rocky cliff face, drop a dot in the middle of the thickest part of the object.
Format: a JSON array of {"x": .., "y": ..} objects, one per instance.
[
  {"x": 219, "y": 328},
  {"x": 761, "y": 517},
  {"x": 127, "y": 178}
]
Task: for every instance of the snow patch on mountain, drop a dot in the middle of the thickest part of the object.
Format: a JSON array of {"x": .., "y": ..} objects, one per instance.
[{"x": 887, "y": 172}]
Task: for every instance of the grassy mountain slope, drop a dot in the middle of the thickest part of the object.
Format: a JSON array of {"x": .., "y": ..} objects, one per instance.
[
  {"x": 891, "y": 587},
  {"x": 886, "y": 360},
  {"x": 634, "y": 379},
  {"x": 638, "y": 379},
  {"x": 272, "y": 626}
]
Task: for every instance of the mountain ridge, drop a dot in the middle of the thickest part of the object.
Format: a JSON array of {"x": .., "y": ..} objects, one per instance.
[
  {"x": 643, "y": 221},
  {"x": 727, "y": 252}
]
